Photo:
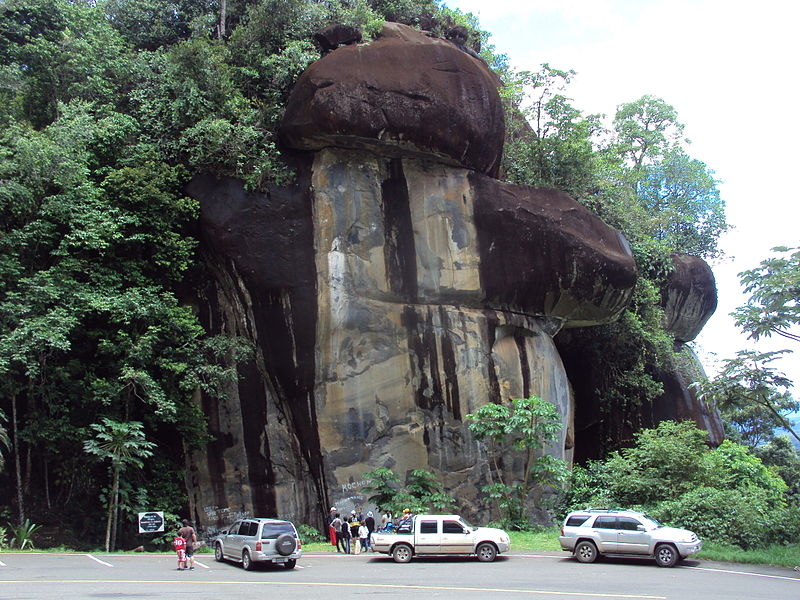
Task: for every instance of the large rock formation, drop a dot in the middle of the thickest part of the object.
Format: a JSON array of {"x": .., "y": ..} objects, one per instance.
[{"x": 395, "y": 288}]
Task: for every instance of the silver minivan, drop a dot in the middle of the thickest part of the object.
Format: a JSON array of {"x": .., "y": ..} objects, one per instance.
[{"x": 259, "y": 541}]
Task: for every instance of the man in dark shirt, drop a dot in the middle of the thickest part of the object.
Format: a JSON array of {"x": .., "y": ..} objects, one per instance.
[{"x": 187, "y": 532}]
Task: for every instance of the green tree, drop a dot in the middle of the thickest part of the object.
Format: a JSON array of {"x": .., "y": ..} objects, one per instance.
[
  {"x": 383, "y": 486},
  {"x": 682, "y": 201},
  {"x": 527, "y": 426},
  {"x": 664, "y": 463},
  {"x": 753, "y": 396},
  {"x": 774, "y": 303},
  {"x": 548, "y": 141},
  {"x": 123, "y": 445},
  {"x": 781, "y": 455},
  {"x": 422, "y": 493},
  {"x": 645, "y": 130}
]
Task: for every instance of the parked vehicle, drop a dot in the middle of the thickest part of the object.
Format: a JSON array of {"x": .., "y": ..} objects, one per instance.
[
  {"x": 259, "y": 541},
  {"x": 442, "y": 534},
  {"x": 591, "y": 533}
]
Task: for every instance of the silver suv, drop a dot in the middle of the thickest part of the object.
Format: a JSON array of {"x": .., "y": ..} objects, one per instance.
[
  {"x": 592, "y": 532},
  {"x": 253, "y": 541}
]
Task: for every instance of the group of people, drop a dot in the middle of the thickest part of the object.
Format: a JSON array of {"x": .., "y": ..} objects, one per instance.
[
  {"x": 350, "y": 534},
  {"x": 184, "y": 544}
]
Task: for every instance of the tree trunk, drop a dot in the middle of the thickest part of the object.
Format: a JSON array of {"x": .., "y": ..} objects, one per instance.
[
  {"x": 17, "y": 466},
  {"x": 223, "y": 9},
  {"x": 46, "y": 485},
  {"x": 111, "y": 498}
]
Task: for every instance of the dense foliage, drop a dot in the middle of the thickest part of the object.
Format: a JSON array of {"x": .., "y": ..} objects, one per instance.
[
  {"x": 726, "y": 494},
  {"x": 422, "y": 492}
]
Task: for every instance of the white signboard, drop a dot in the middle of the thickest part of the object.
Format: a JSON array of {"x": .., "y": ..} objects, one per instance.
[{"x": 151, "y": 522}]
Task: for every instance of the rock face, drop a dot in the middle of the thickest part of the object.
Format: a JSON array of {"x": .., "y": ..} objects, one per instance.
[
  {"x": 690, "y": 297},
  {"x": 403, "y": 93},
  {"x": 395, "y": 288}
]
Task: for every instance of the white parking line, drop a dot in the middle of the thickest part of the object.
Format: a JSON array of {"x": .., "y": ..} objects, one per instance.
[
  {"x": 102, "y": 562},
  {"x": 744, "y": 573},
  {"x": 199, "y": 564},
  {"x": 2, "y": 564}
]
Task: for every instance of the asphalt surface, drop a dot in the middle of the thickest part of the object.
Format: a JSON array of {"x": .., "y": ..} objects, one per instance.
[{"x": 544, "y": 576}]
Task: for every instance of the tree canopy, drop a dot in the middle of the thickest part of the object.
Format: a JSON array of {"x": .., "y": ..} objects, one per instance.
[{"x": 774, "y": 304}]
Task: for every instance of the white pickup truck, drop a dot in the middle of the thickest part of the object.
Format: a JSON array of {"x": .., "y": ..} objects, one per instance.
[{"x": 442, "y": 534}]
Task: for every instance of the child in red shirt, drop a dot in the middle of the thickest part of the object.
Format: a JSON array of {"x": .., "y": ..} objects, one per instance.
[{"x": 180, "y": 547}]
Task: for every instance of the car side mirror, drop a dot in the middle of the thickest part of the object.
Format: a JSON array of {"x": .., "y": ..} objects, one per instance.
[
  {"x": 640, "y": 528},
  {"x": 224, "y": 532}
]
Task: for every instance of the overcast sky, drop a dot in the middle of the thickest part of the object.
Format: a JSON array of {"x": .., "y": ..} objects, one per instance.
[{"x": 729, "y": 68}]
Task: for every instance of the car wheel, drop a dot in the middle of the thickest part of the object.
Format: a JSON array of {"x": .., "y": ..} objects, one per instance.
[
  {"x": 247, "y": 563},
  {"x": 486, "y": 552},
  {"x": 285, "y": 544},
  {"x": 218, "y": 556},
  {"x": 289, "y": 564},
  {"x": 402, "y": 553},
  {"x": 586, "y": 552},
  {"x": 666, "y": 555}
]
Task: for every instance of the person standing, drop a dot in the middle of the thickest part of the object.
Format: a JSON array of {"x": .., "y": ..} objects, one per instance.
[
  {"x": 336, "y": 527},
  {"x": 344, "y": 530},
  {"x": 370, "y": 523},
  {"x": 331, "y": 529},
  {"x": 179, "y": 544},
  {"x": 363, "y": 538},
  {"x": 354, "y": 525},
  {"x": 188, "y": 533}
]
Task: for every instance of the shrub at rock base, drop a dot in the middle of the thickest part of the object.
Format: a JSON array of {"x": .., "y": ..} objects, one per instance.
[{"x": 747, "y": 517}]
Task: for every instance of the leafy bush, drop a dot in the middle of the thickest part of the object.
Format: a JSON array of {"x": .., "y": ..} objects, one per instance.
[
  {"x": 745, "y": 517},
  {"x": 22, "y": 535},
  {"x": 726, "y": 494},
  {"x": 308, "y": 534}
]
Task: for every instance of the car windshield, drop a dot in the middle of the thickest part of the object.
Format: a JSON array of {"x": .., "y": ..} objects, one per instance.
[
  {"x": 271, "y": 531},
  {"x": 650, "y": 522},
  {"x": 465, "y": 524}
]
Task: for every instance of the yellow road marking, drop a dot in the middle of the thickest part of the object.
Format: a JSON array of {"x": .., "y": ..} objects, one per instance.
[{"x": 204, "y": 582}]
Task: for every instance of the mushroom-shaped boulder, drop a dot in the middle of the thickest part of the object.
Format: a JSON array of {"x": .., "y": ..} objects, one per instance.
[{"x": 405, "y": 92}]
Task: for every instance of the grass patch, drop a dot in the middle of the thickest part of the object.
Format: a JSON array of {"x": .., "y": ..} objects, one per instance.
[
  {"x": 777, "y": 554},
  {"x": 541, "y": 539},
  {"x": 318, "y": 547}
]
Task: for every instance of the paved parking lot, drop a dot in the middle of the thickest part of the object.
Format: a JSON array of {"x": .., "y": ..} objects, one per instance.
[{"x": 519, "y": 575}]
